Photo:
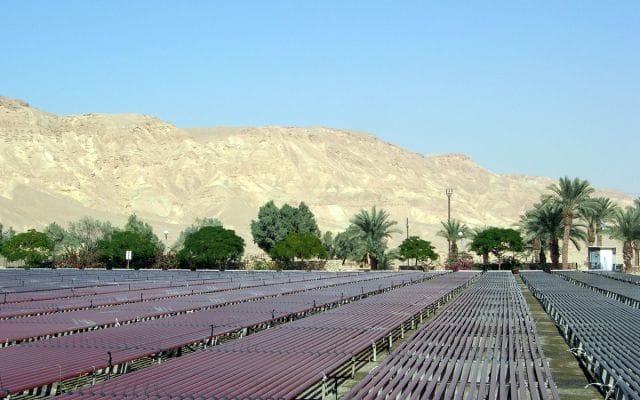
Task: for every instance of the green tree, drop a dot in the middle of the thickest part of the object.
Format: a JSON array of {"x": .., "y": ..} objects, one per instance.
[
  {"x": 373, "y": 228},
  {"x": 6, "y": 235},
  {"x": 275, "y": 224},
  {"x": 600, "y": 213},
  {"x": 626, "y": 228},
  {"x": 301, "y": 245},
  {"x": 83, "y": 236},
  {"x": 56, "y": 234},
  {"x": 419, "y": 249},
  {"x": 574, "y": 198},
  {"x": 385, "y": 259},
  {"x": 33, "y": 247},
  {"x": 136, "y": 225},
  {"x": 210, "y": 246},
  {"x": 111, "y": 250},
  {"x": 496, "y": 241},
  {"x": 544, "y": 222},
  {"x": 327, "y": 243},
  {"x": 301, "y": 219},
  {"x": 451, "y": 231},
  {"x": 198, "y": 223},
  {"x": 344, "y": 244}
]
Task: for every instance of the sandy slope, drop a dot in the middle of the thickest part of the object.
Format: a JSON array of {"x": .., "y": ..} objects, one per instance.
[{"x": 60, "y": 168}]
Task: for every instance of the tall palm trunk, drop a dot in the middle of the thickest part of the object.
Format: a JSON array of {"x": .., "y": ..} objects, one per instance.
[
  {"x": 453, "y": 255},
  {"x": 599, "y": 239},
  {"x": 591, "y": 234},
  {"x": 627, "y": 255},
  {"x": 542, "y": 257},
  {"x": 554, "y": 251},
  {"x": 372, "y": 261},
  {"x": 566, "y": 235},
  {"x": 485, "y": 258},
  {"x": 537, "y": 246}
]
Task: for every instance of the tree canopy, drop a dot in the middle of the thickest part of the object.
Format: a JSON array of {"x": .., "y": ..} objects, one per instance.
[
  {"x": 111, "y": 251},
  {"x": 344, "y": 244},
  {"x": 299, "y": 245},
  {"x": 419, "y": 249},
  {"x": 626, "y": 228},
  {"x": 600, "y": 213},
  {"x": 136, "y": 225},
  {"x": 33, "y": 247},
  {"x": 451, "y": 231},
  {"x": 370, "y": 230},
  {"x": 197, "y": 224},
  {"x": 573, "y": 196},
  {"x": 327, "y": 243},
  {"x": 210, "y": 246},
  {"x": 275, "y": 224},
  {"x": 496, "y": 241}
]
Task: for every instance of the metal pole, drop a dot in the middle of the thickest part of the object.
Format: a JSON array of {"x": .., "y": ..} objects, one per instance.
[
  {"x": 449, "y": 192},
  {"x": 407, "y": 228}
]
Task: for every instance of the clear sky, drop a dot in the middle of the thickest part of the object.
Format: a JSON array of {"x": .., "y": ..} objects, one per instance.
[{"x": 529, "y": 87}]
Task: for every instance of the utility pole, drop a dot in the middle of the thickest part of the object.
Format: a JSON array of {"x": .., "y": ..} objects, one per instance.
[
  {"x": 449, "y": 192},
  {"x": 407, "y": 227}
]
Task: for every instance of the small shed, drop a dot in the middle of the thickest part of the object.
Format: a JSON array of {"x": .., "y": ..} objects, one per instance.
[{"x": 602, "y": 258}]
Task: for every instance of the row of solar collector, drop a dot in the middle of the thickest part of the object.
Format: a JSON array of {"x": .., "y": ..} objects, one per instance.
[
  {"x": 602, "y": 332},
  {"x": 482, "y": 345},
  {"x": 15, "y": 330},
  {"x": 37, "y": 307},
  {"x": 48, "y": 288},
  {"x": 294, "y": 360},
  {"x": 626, "y": 292},
  {"x": 621, "y": 276},
  {"x": 35, "y": 280},
  {"x": 41, "y": 366}
]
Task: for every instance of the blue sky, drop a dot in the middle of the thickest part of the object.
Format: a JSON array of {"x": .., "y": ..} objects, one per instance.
[{"x": 538, "y": 88}]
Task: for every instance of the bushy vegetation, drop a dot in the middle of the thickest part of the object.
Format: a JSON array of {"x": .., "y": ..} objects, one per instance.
[
  {"x": 567, "y": 215},
  {"x": 210, "y": 247},
  {"x": 33, "y": 247},
  {"x": 298, "y": 245},
  {"x": 112, "y": 250},
  {"x": 570, "y": 215},
  {"x": 275, "y": 224},
  {"x": 419, "y": 250},
  {"x": 496, "y": 241}
]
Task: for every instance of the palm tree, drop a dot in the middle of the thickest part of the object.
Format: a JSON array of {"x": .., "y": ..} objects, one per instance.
[
  {"x": 543, "y": 224},
  {"x": 373, "y": 228},
  {"x": 626, "y": 228},
  {"x": 601, "y": 212},
  {"x": 451, "y": 231},
  {"x": 573, "y": 197},
  {"x": 529, "y": 227}
]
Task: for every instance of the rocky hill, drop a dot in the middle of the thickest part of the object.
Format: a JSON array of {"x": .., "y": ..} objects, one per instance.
[{"x": 60, "y": 168}]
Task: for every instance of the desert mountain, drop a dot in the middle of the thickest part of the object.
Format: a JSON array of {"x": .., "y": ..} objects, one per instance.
[{"x": 60, "y": 168}]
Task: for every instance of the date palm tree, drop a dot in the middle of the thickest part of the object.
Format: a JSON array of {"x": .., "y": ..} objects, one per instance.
[
  {"x": 451, "y": 231},
  {"x": 602, "y": 211},
  {"x": 373, "y": 228},
  {"x": 543, "y": 225},
  {"x": 626, "y": 228},
  {"x": 573, "y": 196}
]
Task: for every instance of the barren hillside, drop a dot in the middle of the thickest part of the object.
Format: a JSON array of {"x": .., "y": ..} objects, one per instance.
[{"x": 60, "y": 168}]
